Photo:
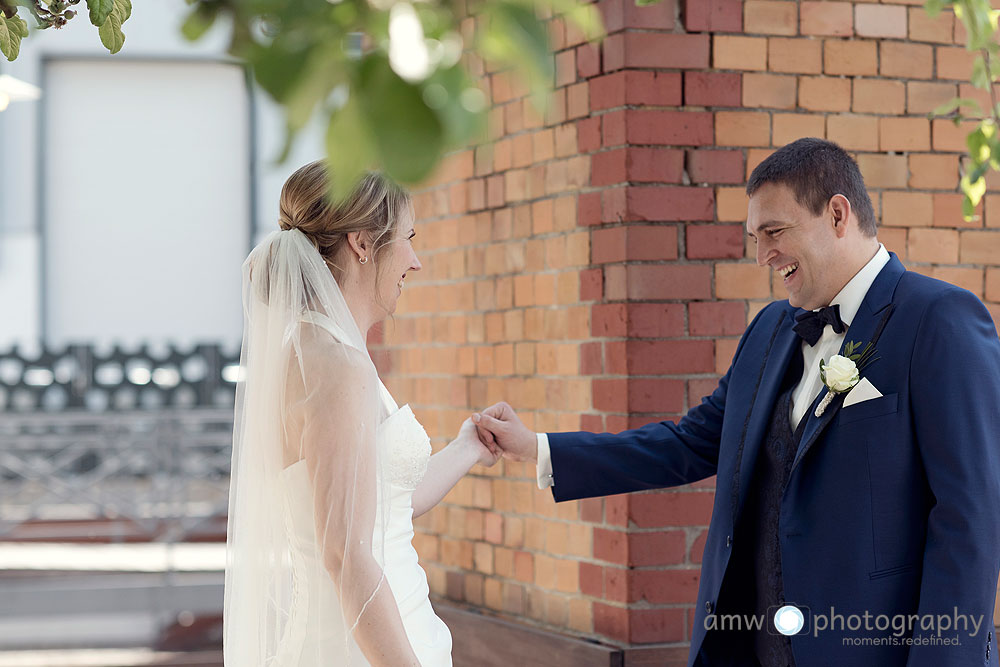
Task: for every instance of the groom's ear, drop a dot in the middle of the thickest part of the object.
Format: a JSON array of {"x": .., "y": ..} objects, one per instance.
[{"x": 839, "y": 210}]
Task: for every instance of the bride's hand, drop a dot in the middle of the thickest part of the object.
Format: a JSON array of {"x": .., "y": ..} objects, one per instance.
[{"x": 468, "y": 436}]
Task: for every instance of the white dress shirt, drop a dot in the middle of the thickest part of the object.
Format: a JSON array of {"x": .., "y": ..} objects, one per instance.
[{"x": 849, "y": 299}]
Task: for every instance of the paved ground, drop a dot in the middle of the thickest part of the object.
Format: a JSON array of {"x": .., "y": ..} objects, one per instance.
[
  {"x": 109, "y": 658},
  {"x": 57, "y": 598}
]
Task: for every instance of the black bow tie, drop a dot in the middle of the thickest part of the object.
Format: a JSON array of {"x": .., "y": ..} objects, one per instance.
[{"x": 810, "y": 323}]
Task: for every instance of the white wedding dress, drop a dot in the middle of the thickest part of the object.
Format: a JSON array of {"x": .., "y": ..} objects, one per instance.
[{"x": 403, "y": 440}]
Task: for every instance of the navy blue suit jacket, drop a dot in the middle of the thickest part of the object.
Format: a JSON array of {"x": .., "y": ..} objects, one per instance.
[{"x": 892, "y": 503}]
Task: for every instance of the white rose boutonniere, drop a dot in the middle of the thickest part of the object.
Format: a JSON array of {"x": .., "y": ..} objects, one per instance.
[{"x": 842, "y": 372}]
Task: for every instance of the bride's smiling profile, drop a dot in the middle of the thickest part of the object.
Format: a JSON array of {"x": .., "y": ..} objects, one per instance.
[{"x": 328, "y": 471}]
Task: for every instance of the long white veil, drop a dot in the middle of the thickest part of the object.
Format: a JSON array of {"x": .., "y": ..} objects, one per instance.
[{"x": 307, "y": 409}]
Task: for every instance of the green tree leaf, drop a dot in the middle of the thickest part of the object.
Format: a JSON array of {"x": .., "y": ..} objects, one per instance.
[
  {"x": 513, "y": 36},
  {"x": 458, "y": 103},
  {"x": 111, "y": 30},
  {"x": 323, "y": 70},
  {"x": 979, "y": 144},
  {"x": 586, "y": 16},
  {"x": 934, "y": 7},
  {"x": 968, "y": 208},
  {"x": 980, "y": 22},
  {"x": 974, "y": 188},
  {"x": 111, "y": 33},
  {"x": 12, "y": 30},
  {"x": 349, "y": 149},
  {"x": 279, "y": 66},
  {"x": 980, "y": 77},
  {"x": 199, "y": 21},
  {"x": 957, "y": 103},
  {"x": 408, "y": 134},
  {"x": 100, "y": 10}
]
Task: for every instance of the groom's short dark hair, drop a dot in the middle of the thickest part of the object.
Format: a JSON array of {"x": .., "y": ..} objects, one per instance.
[{"x": 816, "y": 170}]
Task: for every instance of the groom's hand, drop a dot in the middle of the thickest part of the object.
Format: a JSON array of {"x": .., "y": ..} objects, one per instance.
[{"x": 499, "y": 423}]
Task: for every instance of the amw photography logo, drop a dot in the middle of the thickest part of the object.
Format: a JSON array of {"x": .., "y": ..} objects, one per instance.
[{"x": 862, "y": 629}]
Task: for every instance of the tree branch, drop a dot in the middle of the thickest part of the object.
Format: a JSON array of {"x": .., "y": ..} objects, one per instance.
[
  {"x": 8, "y": 8},
  {"x": 989, "y": 76}
]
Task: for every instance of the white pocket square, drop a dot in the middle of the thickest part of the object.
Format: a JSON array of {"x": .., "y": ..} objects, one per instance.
[{"x": 862, "y": 391}]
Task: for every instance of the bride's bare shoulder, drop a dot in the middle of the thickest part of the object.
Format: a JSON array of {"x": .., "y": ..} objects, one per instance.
[{"x": 317, "y": 353}]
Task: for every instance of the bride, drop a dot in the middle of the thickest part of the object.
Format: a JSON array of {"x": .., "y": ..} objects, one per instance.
[{"x": 328, "y": 471}]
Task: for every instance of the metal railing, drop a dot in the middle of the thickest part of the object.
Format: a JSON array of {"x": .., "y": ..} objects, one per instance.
[
  {"x": 158, "y": 475},
  {"x": 137, "y": 444}
]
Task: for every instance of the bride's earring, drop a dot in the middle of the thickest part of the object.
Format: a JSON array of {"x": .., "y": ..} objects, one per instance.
[{"x": 363, "y": 260}]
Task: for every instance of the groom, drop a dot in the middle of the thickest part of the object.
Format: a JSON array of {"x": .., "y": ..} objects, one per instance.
[{"x": 873, "y": 520}]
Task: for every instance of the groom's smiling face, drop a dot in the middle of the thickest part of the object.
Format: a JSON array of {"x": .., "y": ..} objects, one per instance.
[{"x": 797, "y": 244}]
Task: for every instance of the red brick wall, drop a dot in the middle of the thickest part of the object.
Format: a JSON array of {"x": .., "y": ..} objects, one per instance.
[{"x": 590, "y": 267}]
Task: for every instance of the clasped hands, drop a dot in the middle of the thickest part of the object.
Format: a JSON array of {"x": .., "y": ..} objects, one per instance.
[{"x": 499, "y": 432}]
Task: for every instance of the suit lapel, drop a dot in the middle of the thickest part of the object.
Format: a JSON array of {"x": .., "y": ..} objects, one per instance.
[
  {"x": 867, "y": 327},
  {"x": 774, "y": 364}
]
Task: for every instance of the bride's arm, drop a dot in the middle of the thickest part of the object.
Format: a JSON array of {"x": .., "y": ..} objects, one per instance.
[
  {"x": 339, "y": 413},
  {"x": 449, "y": 465}
]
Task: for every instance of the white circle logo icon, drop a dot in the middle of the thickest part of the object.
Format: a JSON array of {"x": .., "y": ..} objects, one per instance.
[{"x": 788, "y": 620}]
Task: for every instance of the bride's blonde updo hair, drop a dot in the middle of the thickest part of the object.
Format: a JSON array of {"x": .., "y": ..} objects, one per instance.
[{"x": 375, "y": 206}]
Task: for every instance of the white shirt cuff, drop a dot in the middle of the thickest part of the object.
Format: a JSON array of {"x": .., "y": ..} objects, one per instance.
[{"x": 543, "y": 469}]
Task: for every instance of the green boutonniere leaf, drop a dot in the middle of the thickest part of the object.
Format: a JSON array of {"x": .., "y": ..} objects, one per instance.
[{"x": 861, "y": 359}]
